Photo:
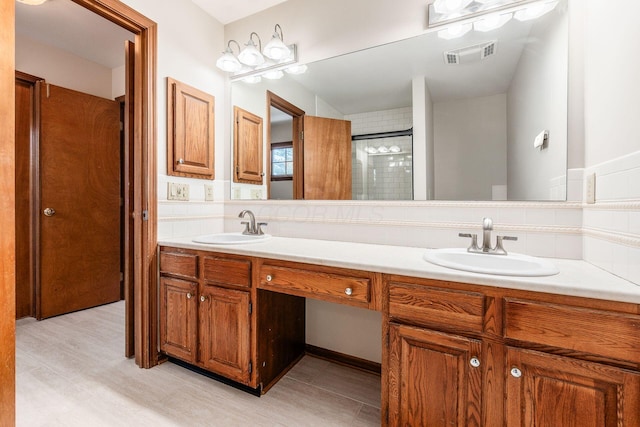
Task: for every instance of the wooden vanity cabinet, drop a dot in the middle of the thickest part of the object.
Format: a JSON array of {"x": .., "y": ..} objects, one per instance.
[
  {"x": 469, "y": 355},
  {"x": 205, "y": 311}
]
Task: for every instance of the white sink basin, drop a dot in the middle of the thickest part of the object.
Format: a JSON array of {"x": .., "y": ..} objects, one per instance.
[
  {"x": 231, "y": 238},
  {"x": 504, "y": 265}
]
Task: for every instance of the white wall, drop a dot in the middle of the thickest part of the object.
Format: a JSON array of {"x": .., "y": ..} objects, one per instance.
[
  {"x": 470, "y": 147},
  {"x": 62, "y": 68},
  {"x": 612, "y": 136},
  {"x": 537, "y": 101},
  {"x": 188, "y": 43}
]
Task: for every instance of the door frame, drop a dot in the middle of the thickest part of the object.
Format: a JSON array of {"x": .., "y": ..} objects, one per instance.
[
  {"x": 143, "y": 209},
  {"x": 297, "y": 140}
]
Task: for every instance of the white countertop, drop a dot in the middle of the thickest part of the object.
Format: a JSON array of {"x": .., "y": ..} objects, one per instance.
[{"x": 576, "y": 278}]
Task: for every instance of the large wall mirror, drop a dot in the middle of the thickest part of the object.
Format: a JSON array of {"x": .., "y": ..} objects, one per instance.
[{"x": 479, "y": 117}]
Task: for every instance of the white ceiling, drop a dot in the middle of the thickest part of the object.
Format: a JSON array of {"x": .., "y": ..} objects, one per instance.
[
  {"x": 227, "y": 11},
  {"x": 68, "y": 26}
]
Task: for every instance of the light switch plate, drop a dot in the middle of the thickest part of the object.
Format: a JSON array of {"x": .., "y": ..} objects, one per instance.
[
  {"x": 590, "y": 191},
  {"x": 208, "y": 193},
  {"x": 177, "y": 191}
]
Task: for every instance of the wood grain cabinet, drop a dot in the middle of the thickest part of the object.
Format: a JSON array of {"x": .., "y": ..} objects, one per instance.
[
  {"x": 468, "y": 355},
  {"x": 190, "y": 131},
  {"x": 205, "y": 313},
  {"x": 247, "y": 147}
]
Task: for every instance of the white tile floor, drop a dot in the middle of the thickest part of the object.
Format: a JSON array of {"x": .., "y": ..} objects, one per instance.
[{"x": 70, "y": 371}]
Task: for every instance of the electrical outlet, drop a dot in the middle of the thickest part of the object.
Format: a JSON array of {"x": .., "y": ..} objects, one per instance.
[
  {"x": 590, "y": 192},
  {"x": 208, "y": 193},
  {"x": 177, "y": 191}
]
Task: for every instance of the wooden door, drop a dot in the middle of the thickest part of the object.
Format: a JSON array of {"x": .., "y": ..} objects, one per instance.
[
  {"x": 178, "y": 318},
  {"x": 79, "y": 215},
  {"x": 327, "y": 159},
  {"x": 224, "y": 332},
  {"x": 549, "y": 391},
  {"x": 247, "y": 147},
  {"x": 431, "y": 380}
]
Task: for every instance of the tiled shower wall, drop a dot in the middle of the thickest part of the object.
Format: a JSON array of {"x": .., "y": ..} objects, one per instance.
[
  {"x": 382, "y": 177},
  {"x": 612, "y": 224}
]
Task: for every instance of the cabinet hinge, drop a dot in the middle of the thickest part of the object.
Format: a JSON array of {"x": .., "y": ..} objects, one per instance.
[
  {"x": 121, "y": 126},
  {"x": 250, "y": 367},
  {"x": 250, "y": 308},
  {"x": 121, "y": 276},
  {"x": 301, "y": 135}
]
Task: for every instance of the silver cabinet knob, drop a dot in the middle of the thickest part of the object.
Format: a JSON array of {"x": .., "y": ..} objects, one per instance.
[
  {"x": 515, "y": 372},
  {"x": 49, "y": 212},
  {"x": 189, "y": 295},
  {"x": 348, "y": 291},
  {"x": 181, "y": 161},
  {"x": 475, "y": 362},
  {"x": 269, "y": 278},
  {"x": 203, "y": 298}
]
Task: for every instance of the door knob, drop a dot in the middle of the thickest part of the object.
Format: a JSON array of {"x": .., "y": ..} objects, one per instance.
[{"x": 49, "y": 212}]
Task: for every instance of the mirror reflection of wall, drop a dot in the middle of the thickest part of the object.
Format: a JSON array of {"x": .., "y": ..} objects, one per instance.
[{"x": 475, "y": 118}]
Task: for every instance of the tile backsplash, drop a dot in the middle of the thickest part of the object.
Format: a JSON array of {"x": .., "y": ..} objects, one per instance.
[{"x": 611, "y": 226}]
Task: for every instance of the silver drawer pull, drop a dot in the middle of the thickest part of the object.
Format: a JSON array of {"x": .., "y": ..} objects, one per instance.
[
  {"x": 269, "y": 278},
  {"x": 348, "y": 291},
  {"x": 515, "y": 372},
  {"x": 475, "y": 362}
]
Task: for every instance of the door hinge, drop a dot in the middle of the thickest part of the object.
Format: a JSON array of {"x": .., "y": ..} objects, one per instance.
[
  {"x": 301, "y": 135},
  {"x": 250, "y": 308},
  {"x": 121, "y": 126},
  {"x": 250, "y": 367},
  {"x": 145, "y": 215},
  {"x": 121, "y": 276}
]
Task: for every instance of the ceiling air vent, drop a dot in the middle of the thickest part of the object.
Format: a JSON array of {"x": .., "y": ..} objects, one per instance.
[{"x": 474, "y": 53}]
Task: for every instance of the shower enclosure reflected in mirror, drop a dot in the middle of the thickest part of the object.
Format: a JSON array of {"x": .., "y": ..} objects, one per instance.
[{"x": 473, "y": 109}]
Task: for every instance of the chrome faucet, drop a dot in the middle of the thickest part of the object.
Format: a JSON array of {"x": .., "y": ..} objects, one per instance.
[
  {"x": 487, "y": 227},
  {"x": 250, "y": 226}
]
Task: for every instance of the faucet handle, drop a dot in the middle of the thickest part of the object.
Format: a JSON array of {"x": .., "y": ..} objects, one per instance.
[
  {"x": 474, "y": 241},
  {"x": 499, "y": 249},
  {"x": 259, "y": 228}
]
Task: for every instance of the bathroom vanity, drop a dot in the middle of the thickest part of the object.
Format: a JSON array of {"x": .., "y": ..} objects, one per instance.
[{"x": 458, "y": 348}]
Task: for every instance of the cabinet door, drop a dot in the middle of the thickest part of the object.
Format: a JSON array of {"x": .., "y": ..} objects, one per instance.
[
  {"x": 545, "y": 390},
  {"x": 178, "y": 318},
  {"x": 431, "y": 379},
  {"x": 247, "y": 147},
  {"x": 224, "y": 332},
  {"x": 190, "y": 131}
]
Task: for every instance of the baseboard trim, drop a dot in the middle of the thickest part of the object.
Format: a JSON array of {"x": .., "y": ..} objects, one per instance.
[{"x": 343, "y": 359}]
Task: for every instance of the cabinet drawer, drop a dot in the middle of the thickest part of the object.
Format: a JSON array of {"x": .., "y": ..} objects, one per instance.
[
  {"x": 227, "y": 271},
  {"x": 597, "y": 332},
  {"x": 436, "y": 307},
  {"x": 179, "y": 264},
  {"x": 332, "y": 287}
]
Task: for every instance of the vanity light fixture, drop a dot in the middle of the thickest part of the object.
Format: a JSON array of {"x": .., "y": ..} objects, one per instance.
[
  {"x": 455, "y": 17},
  {"x": 251, "y": 64}
]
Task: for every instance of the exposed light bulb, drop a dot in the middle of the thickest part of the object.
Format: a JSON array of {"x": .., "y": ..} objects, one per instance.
[
  {"x": 491, "y": 22},
  {"x": 535, "y": 10},
  {"x": 454, "y": 31},
  {"x": 32, "y": 2},
  {"x": 297, "y": 69},
  {"x": 450, "y": 6}
]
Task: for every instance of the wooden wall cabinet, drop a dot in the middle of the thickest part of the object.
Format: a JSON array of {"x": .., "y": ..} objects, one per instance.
[
  {"x": 190, "y": 131},
  {"x": 247, "y": 147}
]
